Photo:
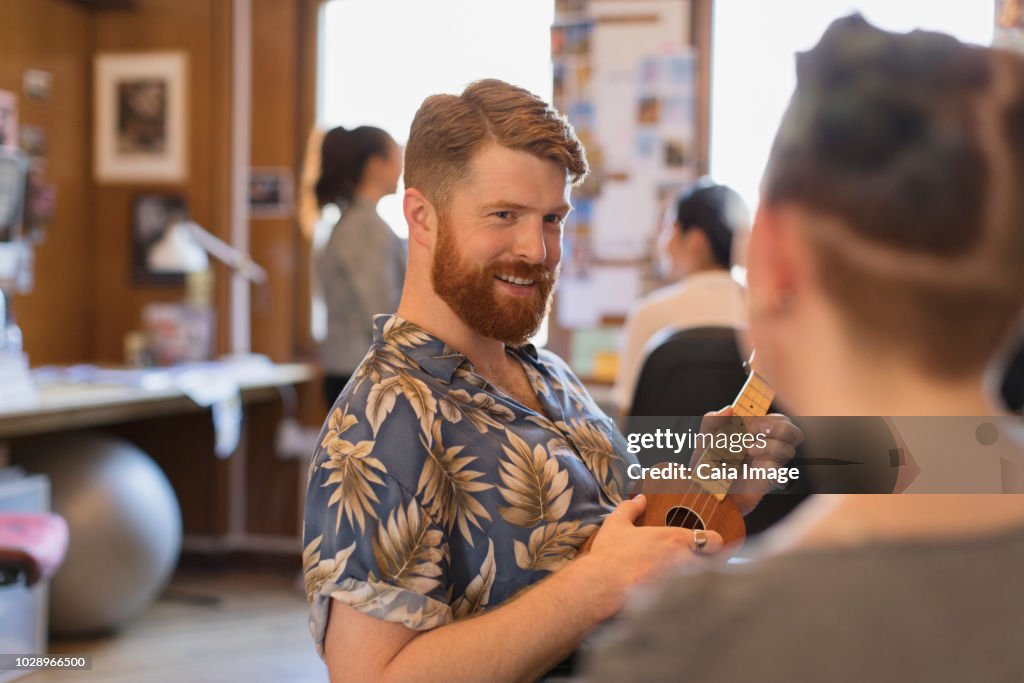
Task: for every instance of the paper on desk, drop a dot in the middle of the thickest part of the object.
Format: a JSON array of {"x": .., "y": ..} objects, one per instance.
[
  {"x": 19, "y": 389},
  {"x": 217, "y": 390}
]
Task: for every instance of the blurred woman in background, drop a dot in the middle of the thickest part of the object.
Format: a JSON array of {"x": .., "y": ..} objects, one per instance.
[{"x": 361, "y": 268}]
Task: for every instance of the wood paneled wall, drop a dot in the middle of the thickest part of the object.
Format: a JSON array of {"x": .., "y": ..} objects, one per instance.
[
  {"x": 202, "y": 29},
  {"x": 84, "y": 300},
  {"x": 56, "y": 318},
  {"x": 275, "y": 122}
]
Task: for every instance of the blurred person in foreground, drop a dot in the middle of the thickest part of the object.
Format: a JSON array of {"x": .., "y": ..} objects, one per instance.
[{"x": 886, "y": 277}]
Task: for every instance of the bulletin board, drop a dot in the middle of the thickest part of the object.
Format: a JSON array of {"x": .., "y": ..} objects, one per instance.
[{"x": 633, "y": 77}]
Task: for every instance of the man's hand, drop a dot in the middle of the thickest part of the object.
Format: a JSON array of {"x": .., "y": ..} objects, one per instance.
[
  {"x": 627, "y": 555},
  {"x": 780, "y": 442}
]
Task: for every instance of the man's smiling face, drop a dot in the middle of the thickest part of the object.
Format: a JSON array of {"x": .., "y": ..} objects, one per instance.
[{"x": 499, "y": 243}]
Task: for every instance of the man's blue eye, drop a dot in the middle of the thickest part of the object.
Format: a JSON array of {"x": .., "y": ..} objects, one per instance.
[
  {"x": 553, "y": 218},
  {"x": 502, "y": 214}
]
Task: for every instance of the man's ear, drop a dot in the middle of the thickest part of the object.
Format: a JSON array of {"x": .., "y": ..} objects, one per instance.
[{"x": 421, "y": 217}]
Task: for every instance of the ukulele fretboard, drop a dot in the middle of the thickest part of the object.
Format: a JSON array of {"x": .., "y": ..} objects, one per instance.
[{"x": 754, "y": 400}]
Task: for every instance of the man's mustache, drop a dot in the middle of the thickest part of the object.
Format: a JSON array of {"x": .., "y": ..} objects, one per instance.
[{"x": 526, "y": 271}]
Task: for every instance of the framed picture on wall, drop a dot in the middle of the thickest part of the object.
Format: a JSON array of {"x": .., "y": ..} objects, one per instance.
[
  {"x": 152, "y": 215},
  {"x": 140, "y": 122}
]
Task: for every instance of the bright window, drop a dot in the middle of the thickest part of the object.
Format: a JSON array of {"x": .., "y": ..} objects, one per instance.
[{"x": 754, "y": 72}]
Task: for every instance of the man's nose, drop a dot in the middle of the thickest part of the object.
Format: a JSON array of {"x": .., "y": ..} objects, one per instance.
[{"x": 529, "y": 244}]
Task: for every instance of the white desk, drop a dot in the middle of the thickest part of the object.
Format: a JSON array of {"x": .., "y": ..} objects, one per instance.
[{"x": 65, "y": 406}]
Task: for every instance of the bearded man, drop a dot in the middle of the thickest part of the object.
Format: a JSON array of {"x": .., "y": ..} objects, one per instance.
[{"x": 462, "y": 467}]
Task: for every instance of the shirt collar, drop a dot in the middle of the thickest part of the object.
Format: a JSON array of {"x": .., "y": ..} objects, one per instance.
[
  {"x": 430, "y": 353},
  {"x": 709, "y": 277}
]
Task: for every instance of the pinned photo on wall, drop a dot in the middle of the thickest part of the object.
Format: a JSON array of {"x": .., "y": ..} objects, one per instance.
[
  {"x": 271, "y": 193},
  {"x": 648, "y": 111},
  {"x": 675, "y": 153},
  {"x": 8, "y": 119},
  {"x": 33, "y": 140},
  {"x": 140, "y": 130},
  {"x": 37, "y": 84},
  {"x": 645, "y": 144}
]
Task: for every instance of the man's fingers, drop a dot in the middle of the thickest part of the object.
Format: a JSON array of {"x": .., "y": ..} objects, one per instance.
[
  {"x": 716, "y": 419},
  {"x": 776, "y": 426},
  {"x": 629, "y": 510}
]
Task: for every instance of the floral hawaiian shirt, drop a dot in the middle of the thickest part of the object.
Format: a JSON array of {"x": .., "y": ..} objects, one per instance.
[{"x": 434, "y": 495}]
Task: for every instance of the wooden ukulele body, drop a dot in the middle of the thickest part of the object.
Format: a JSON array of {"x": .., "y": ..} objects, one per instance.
[{"x": 687, "y": 505}]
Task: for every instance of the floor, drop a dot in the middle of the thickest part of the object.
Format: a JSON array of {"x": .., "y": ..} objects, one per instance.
[{"x": 207, "y": 628}]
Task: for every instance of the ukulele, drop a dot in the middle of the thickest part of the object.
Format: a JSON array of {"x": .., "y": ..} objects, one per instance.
[{"x": 703, "y": 503}]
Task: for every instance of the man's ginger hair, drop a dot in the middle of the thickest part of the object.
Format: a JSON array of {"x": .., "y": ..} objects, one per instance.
[
  {"x": 907, "y": 150},
  {"x": 449, "y": 129}
]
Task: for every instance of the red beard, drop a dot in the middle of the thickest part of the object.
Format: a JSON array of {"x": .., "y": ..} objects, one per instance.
[{"x": 472, "y": 292}]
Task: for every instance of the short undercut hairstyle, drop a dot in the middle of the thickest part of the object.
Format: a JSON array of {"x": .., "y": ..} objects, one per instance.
[
  {"x": 908, "y": 151},
  {"x": 449, "y": 129}
]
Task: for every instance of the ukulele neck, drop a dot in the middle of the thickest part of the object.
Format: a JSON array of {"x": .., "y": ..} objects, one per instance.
[{"x": 753, "y": 400}]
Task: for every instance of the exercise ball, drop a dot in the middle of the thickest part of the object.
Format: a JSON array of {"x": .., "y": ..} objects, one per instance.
[{"x": 124, "y": 524}]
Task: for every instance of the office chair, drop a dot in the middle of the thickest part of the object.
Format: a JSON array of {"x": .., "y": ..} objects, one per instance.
[{"x": 689, "y": 372}]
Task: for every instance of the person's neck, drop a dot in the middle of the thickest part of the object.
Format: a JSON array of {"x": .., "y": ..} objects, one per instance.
[
  {"x": 835, "y": 382},
  {"x": 830, "y": 520},
  {"x": 422, "y": 307},
  {"x": 367, "y": 193},
  {"x": 704, "y": 270}
]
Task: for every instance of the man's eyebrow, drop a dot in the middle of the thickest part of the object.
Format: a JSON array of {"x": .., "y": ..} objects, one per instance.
[{"x": 503, "y": 205}]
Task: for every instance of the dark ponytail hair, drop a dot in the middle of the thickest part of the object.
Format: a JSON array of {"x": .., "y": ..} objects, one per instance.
[{"x": 343, "y": 157}]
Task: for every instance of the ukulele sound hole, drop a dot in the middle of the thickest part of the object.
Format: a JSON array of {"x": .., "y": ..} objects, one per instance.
[{"x": 684, "y": 517}]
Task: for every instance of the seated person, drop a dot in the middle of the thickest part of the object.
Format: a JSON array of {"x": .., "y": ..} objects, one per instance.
[
  {"x": 696, "y": 248},
  {"x": 461, "y": 467},
  {"x": 885, "y": 275}
]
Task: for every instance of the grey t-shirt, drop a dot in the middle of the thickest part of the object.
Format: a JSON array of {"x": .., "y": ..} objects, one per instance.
[
  {"x": 360, "y": 270},
  {"x": 909, "y": 611}
]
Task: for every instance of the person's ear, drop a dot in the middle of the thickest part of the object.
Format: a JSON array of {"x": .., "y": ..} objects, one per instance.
[
  {"x": 374, "y": 168},
  {"x": 697, "y": 246},
  {"x": 777, "y": 260},
  {"x": 421, "y": 217}
]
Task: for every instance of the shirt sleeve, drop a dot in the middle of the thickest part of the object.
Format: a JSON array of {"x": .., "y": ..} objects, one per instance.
[{"x": 368, "y": 542}]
